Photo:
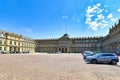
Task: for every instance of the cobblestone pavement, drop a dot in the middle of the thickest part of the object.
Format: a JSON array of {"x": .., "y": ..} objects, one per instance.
[{"x": 54, "y": 67}]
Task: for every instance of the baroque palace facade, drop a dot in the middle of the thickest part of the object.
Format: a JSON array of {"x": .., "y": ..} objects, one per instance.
[
  {"x": 65, "y": 44},
  {"x": 14, "y": 43},
  {"x": 111, "y": 42}
]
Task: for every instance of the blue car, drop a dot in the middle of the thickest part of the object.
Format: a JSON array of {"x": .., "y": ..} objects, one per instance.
[
  {"x": 87, "y": 53},
  {"x": 103, "y": 58}
]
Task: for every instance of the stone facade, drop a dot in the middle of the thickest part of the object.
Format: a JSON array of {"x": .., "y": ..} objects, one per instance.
[
  {"x": 65, "y": 44},
  {"x": 111, "y": 42},
  {"x": 14, "y": 43}
]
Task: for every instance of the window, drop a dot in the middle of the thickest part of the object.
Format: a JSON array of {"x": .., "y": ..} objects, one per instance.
[
  {"x": 90, "y": 45},
  {"x": 4, "y": 35},
  {"x": 19, "y": 43},
  {"x": 108, "y": 55},
  {"x": 76, "y": 41},
  {"x": 72, "y": 45},
  {"x": 4, "y": 42},
  {"x": 4, "y": 48},
  {"x": 95, "y": 40},
  {"x": 11, "y": 42},
  {"x": 1, "y": 35},
  {"x": 0, "y": 48},
  {"x": 78, "y": 45},
  {"x": 87, "y": 45},
  {"x": 87, "y": 40},
  {"x": 0, "y": 41},
  {"x": 15, "y": 43},
  {"x": 81, "y": 45},
  {"x": 92, "y": 40}
]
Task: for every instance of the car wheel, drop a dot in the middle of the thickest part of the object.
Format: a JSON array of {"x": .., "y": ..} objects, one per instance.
[
  {"x": 94, "y": 61},
  {"x": 114, "y": 62},
  {"x": 83, "y": 57}
]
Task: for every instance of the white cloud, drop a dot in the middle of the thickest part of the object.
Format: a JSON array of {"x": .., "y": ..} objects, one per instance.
[
  {"x": 88, "y": 20},
  {"x": 64, "y": 17},
  {"x": 106, "y": 11},
  {"x": 110, "y": 16},
  {"x": 94, "y": 25},
  {"x": 119, "y": 10},
  {"x": 90, "y": 15},
  {"x": 93, "y": 9},
  {"x": 99, "y": 19},
  {"x": 98, "y": 4},
  {"x": 99, "y": 11},
  {"x": 96, "y": 19},
  {"x": 113, "y": 19}
]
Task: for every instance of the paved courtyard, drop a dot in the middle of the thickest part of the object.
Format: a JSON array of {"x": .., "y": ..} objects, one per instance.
[{"x": 54, "y": 67}]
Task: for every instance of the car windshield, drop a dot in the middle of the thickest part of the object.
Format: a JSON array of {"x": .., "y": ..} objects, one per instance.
[
  {"x": 97, "y": 55},
  {"x": 88, "y": 52}
]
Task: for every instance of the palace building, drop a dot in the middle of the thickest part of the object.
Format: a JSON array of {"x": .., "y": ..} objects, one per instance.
[
  {"x": 111, "y": 42},
  {"x": 65, "y": 44},
  {"x": 14, "y": 43}
]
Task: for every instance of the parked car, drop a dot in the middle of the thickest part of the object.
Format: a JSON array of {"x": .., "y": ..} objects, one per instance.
[
  {"x": 87, "y": 53},
  {"x": 103, "y": 58},
  {"x": 26, "y": 51},
  {"x": 118, "y": 54},
  {"x": 3, "y": 52}
]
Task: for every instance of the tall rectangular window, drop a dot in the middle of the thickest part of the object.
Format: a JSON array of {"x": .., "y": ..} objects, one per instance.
[
  {"x": 11, "y": 42},
  {"x": 4, "y": 48},
  {"x": 0, "y": 48},
  {"x": 4, "y": 42},
  {"x": 14, "y": 42},
  {"x": 4, "y": 35},
  {"x": 0, "y": 41},
  {"x": 19, "y": 43}
]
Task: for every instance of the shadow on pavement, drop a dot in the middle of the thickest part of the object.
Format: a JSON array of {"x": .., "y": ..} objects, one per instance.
[{"x": 105, "y": 64}]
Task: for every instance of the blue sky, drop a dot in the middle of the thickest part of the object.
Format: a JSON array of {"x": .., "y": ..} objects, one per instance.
[{"x": 42, "y": 19}]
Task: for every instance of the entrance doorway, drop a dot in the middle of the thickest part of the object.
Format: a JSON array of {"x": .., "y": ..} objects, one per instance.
[
  {"x": 10, "y": 49},
  {"x": 63, "y": 50}
]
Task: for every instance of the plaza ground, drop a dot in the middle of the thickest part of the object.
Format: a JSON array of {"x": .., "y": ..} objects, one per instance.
[{"x": 54, "y": 67}]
